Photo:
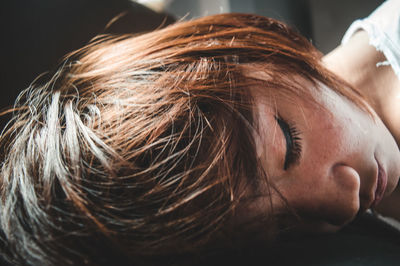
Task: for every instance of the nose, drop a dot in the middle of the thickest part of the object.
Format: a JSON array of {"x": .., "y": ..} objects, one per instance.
[
  {"x": 346, "y": 177},
  {"x": 345, "y": 182}
]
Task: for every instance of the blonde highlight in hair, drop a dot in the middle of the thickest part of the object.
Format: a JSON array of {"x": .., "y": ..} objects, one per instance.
[{"x": 140, "y": 145}]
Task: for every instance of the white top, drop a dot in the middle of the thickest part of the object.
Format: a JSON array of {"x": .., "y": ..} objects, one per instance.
[{"x": 383, "y": 28}]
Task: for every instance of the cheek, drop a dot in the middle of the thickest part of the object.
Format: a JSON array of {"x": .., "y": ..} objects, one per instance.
[
  {"x": 328, "y": 139},
  {"x": 329, "y": 190},
  {"x": 334, "y": 201},
  {"x": 333, "y": 191}
]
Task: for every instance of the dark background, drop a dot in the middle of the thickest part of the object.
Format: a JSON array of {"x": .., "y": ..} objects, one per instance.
[{"x": 36, "y": 34}]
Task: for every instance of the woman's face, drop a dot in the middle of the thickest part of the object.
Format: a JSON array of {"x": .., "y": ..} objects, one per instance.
[{"x": 329, "y": 160}]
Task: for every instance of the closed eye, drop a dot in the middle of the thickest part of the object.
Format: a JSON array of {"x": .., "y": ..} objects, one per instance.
[{"x": 293, "y": 143}]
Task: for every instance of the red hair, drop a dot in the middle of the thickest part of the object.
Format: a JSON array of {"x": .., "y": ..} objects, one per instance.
[{"x": 143, "y": 145}]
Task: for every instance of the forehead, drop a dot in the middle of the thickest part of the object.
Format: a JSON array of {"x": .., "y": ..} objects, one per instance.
[
  {"x": 270, "y": 84},
  {"x": 293, "y": 93}
]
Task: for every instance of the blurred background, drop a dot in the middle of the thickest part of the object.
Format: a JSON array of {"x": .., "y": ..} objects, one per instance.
[
  {"x": 36, "y": 34},
  {"x": 322, "y": 21}
]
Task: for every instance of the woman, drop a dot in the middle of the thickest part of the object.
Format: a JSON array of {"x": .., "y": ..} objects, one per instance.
[{"x": 207, "y": 133}]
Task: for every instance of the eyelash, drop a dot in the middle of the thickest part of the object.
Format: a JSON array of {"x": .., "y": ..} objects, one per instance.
[{"x": 293, "y": 142}]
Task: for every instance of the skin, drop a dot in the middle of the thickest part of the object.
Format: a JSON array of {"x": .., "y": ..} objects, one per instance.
[
  {"x": 356, "y": 63},
  {"x": 336, "y": 176}
]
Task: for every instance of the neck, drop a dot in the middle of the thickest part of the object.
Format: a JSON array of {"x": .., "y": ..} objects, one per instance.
[{"x": 356, "y": 63}]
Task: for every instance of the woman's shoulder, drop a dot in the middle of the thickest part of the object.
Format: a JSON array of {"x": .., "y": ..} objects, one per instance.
[{"x": 383, "y": 29}]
